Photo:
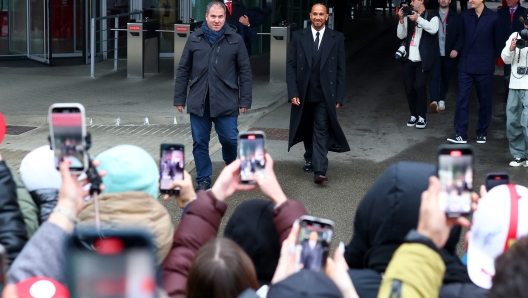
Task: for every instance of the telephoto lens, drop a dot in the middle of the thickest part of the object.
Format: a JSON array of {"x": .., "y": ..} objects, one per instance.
[{"x": 400, "y": 53}]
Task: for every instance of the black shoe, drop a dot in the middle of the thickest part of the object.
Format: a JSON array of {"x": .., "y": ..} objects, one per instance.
[
  {"x": 457, "y": 139},
  {"x": 412, "y": 121},
  {"x": 319, "y": 178},
  {"x": 481, "y": 139},
  {"x": 308, "y": 167},
  {"x": 203, "y": 185},
  {"x": 421, "y": 123}
]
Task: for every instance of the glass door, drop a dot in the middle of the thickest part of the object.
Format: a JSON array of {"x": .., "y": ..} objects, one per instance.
[
  {"x": 39, "y": 29},
  {"x": 13, "y": 37}
]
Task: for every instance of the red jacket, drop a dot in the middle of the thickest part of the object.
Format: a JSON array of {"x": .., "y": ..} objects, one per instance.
[{"x": 200, "y": 225}]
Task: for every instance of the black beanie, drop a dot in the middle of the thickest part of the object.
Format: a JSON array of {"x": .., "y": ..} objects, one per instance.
[{"x": 305, "y": 283}]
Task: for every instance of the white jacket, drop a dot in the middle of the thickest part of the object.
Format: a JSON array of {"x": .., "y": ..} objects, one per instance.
[{"x": 517, "y": 81}]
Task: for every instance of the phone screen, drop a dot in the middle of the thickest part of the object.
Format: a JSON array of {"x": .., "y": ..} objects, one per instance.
[
  {"x": 67, "y": 136},
  {"x": 171, "y": 166},
  {"x": 455, "y": 171},
  {"x": 252, "y": 155},
  {"x": 313, "y": 244},
  {"x": 111, "y": 268}
]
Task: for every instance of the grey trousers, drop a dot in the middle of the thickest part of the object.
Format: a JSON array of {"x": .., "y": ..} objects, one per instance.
[{"x": 517, "y": 122}]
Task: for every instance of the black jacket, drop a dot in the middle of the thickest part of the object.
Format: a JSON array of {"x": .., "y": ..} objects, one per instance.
[
  {"x": 13, "y": 235},
  {"x": 46, "y": 199},
  {"x": 507, "y": 27},
  {"x": 387, "y": 213},
  {"x": 428, "y": 42},
  {"x": 222, "y": 70}
]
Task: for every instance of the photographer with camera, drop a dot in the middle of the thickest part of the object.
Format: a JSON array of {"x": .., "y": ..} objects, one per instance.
[
  {"x": 515, "y": 53},
  {"x": 418, "y": 27}
]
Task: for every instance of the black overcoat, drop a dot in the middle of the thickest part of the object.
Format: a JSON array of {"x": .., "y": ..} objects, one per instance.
[{"x": 332, "y": 81}]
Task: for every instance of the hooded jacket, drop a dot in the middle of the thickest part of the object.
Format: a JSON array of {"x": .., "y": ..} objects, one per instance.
[
  {"x": 387, "y": 213},
  {"x": 223, "y": 71},
  {"x": 27, "y": 204},
  {"x": 133, "y": 209}
]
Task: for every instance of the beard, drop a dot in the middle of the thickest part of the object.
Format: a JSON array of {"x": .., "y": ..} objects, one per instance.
[{"x": 444, "y": 6}]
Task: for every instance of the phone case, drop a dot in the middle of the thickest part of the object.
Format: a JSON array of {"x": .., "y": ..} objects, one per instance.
[{"x": 81, "y": 108}]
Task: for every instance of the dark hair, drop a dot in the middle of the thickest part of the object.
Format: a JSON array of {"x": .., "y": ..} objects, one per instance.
[
  {"x": 221, "y": 269},
  {"x": 216, "y": 3},
  {"x": 511, "y": 272},
  {"x": 326, "y": 7}
]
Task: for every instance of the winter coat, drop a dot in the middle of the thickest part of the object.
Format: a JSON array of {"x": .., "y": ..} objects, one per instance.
[
  {"x": 387, "y": 212},
  {"x": 298, "y": 70},
  {"x": 199, "y": 225},
  {"x": 221, "y": 71},
  {"x": 13, "y": 234},
  {"x": 134, "y": 208},
  {"x": 27, "y": 205}
]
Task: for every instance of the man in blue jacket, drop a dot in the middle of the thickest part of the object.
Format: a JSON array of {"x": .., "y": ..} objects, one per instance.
[
  {"x": 215, "y": 65},
  {"x": 450, "y": 44},
  {"x": 481, "y": 35},
  {"x": 509, "y": 23}
]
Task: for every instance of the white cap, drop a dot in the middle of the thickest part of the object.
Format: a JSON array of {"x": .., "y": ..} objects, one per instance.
[
  {"x": 38, "y": 171},
  {"x": 497, "y": 223}
]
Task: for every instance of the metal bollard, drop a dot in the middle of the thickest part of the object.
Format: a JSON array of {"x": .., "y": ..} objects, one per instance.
[{"x": 181, "y": 34}]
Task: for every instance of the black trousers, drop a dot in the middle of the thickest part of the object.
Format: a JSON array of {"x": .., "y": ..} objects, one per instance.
[
  {"x": 316, "y": 136},
  {"x": 440, "y": 78},
  {"x": 415, "y": 82}
]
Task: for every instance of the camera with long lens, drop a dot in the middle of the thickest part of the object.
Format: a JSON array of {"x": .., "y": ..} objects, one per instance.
[
  {"x": 400, "y": 53},
  {"x": 522, "y": 42}
]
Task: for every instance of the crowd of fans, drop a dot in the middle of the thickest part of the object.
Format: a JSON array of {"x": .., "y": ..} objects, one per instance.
[{"x": 403, "y": 244}]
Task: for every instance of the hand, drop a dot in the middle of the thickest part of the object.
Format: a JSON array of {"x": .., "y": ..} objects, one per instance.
[
  {"x": 244, "y": 20},
  {"x": 453, "y": 54},
  {"x": 228, "y": 182},
  {"x": 432, "y": 221},
  {"x": 513, "y": 44},
  {"x": 186, "y": 193},
  {"x": 10, "y": 291},
  {"x": 288, "y": 256},
  {"x": 268, "y": 183},
  {"x": 84, "y": 182},
  {"x": 337, "y": 270},
  {"x": 400, "y": 15},
  {"x": 243, "y": 110},
  {"x": 180, "y": 108},
  {"x": 414, "y": 16},
  {"x": 338, "y": 105},
  {"x": 295, "y": 101}
]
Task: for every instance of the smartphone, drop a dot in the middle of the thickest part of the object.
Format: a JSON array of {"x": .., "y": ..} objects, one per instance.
[
  {"x": 68, "y": 135},
  {"x": 495, "y": 179},
  {"x": 251, "y": 146},
  {"x": 455, "y": 172},
  {"x": 171, "y": 167},
  {"x": 313, "y": 243},
  {"x": 111, "y": 264},
  {"x": 3, "y": 267}
]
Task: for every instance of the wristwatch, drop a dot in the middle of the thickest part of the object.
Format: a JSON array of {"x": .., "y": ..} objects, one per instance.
[{"x": 414, "y": 237}]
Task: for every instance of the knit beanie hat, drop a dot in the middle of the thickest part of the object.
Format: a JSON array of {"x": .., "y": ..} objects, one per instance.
[
  {"x": 38, "y": 171},
  {"x": 129, "y": 168}
]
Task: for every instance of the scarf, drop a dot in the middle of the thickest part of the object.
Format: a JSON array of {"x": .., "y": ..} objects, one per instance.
[{"x": 211, "y": 35}]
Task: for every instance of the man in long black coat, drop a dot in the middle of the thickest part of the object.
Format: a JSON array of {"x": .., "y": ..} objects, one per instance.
[{"x": 316, "y": 88}]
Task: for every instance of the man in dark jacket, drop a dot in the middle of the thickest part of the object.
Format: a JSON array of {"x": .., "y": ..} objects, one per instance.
[
  {"x": 481, "y": 46},
  {"x": 315, "y": 74},
  {"x": 237, "y": 17},
  {"x": 13, "y": 234},
  {"x": 450, "y": 44},
  {"x": 215, "y": 65},
  {"x": 421, "y": 45},
  {"x": 509, "y": 23}
]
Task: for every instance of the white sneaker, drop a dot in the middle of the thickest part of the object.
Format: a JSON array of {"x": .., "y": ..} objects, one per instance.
[
  {"x": 441, "y": 105},
  {"x": 518, "y": 162}
]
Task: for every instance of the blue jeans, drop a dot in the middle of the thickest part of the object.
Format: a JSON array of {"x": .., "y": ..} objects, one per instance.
[{"x": 227, "y": 129}]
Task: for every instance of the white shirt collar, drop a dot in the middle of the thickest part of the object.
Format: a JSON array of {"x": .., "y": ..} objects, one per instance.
[
  {"x": 514, "y": 8},
  {"x": 321, "y": 33}
]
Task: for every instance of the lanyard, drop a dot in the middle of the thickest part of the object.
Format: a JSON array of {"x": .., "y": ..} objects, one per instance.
[{"x": 443, "y": 23}]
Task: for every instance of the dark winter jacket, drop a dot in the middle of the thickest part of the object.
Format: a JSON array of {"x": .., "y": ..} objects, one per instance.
[
  {"x": 387, "y": 213},
  {"x": 13, "y": 234},
  {"x": 221, "y": 71},
  {"x": 28, "y": 207},
  {"x": 199, "y": 225}
]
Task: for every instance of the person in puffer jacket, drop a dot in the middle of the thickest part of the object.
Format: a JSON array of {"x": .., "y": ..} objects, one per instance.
[
  {"x": 42, "y": 180},
  {"x": 129, "y": 196}
]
